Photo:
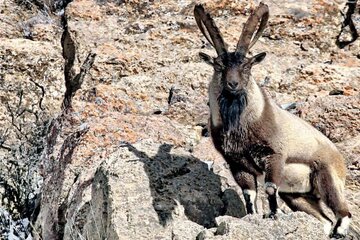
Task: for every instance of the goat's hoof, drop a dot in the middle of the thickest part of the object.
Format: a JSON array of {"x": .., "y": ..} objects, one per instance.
[
  {"x": 337, "y": 235},
  {"x": 270, "y": 215}
]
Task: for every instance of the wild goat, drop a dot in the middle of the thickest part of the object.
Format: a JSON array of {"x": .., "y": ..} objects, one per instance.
[{"x": 258, "y": 138}]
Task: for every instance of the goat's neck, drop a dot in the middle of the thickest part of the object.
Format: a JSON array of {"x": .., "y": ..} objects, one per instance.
[
  {"x": 256, "y": 102},
  {"x": 254, "y": 108}
]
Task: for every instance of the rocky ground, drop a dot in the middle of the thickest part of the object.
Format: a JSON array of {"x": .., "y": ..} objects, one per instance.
[{"x": 131, "y": 159}]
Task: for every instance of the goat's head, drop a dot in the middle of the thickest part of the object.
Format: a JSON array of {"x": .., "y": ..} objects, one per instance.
[{"x": 234, "y": 67}]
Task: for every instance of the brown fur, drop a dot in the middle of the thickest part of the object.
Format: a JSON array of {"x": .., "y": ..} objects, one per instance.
[
  {"x": 305, "y": 203},
  {"x": 257, "y": 137}
]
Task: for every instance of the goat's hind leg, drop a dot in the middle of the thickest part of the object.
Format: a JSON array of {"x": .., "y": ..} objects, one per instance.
[
  {"x": 330, "y": 188},
  {"x": 248, "y": 184},
  {"x": 308, "y": 203}
]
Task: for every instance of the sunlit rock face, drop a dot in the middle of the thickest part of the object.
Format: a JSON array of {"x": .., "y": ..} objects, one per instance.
[{"x": 132, "y": 159}]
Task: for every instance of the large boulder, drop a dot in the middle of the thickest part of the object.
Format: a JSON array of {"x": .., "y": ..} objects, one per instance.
[{"x": 288, "y": 226}]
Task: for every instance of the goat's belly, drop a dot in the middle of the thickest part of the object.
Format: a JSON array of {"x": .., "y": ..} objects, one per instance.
[{"x": 296, "y": 178}]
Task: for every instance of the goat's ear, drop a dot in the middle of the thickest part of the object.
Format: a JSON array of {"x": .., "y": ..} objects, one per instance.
[
  {"x": 257, "y": 58},
  {"x": 208, "y": 59}
]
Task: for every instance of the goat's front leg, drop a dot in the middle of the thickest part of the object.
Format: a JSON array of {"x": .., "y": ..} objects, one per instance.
[
  {"x": 248, "y": 184},
  {"x": 274, "y": 167}
]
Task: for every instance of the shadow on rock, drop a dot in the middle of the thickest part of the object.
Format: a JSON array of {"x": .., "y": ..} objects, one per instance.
[{"x": 187, "y": 180}]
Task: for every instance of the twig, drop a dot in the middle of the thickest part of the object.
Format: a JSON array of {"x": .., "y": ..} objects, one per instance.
[
  {"x": 42, "y": 93},
  {"x": 348, "y": 22},
  {"x": 3, "y": 138},
  {"x": 74, "y": 84}
]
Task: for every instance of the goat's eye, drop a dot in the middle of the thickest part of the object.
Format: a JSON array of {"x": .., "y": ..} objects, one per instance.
[
  {"x": 219, "y": 66},
  {"x": 246, "y": 68}
]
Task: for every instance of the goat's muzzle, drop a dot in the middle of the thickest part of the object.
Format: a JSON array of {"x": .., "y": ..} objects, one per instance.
[{"x": 232, "y": 87}]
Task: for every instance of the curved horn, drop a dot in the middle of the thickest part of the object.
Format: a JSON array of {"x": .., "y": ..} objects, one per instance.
[
  {"x": 246, "y": 40},
  {"x": 212, "y": 34}
]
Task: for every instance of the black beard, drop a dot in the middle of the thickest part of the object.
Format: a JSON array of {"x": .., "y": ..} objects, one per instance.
[{"x": 232, "y": 106}]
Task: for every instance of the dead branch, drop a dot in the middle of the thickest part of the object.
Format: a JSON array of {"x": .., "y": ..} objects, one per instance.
[
  {"x": 42, "y": 93},
  {"x": 17, "y": 113},
  {"x": 73, "y": 81},
  {"x": 351, "y": 6},
  {"x": 3, "y": 137},
  {"x": 74, "y": 84}
]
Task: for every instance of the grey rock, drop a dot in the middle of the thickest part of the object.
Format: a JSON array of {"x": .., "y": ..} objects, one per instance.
[
  {"x": 156, "y": 191},
  {"x": 297, "y": 225}
]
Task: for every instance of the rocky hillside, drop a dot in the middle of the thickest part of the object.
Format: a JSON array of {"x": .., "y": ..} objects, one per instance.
[{"x": 126, "y": 153}]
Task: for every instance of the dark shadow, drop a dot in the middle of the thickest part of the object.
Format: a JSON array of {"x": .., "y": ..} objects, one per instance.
[{"x": 189, "y": 181}]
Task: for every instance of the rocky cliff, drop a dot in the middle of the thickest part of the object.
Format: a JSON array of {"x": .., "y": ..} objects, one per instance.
[{"x": 126, "y": 153}]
